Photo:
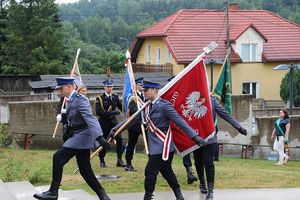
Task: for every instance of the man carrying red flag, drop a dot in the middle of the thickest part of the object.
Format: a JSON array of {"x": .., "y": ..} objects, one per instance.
[{"x": 159, "y": 114}]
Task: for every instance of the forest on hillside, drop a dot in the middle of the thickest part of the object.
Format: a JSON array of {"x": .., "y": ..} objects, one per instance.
[{"x": 41, "y": 37}]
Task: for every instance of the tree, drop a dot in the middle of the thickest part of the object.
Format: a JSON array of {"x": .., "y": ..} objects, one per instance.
[
  {"x": 3, "y": 21},
  {"x": 285, "y": 88},
  {"x": 34, "y": 38}
]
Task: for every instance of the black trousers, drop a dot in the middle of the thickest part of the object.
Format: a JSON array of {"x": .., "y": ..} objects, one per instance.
[
  {"x": 119, "y": 143},
  {"x": 133, "y": 137},
  {"x": 155, "y": 165},
  {"x": 63, "y": 155},
  {"x": 187, "y": 161},
  {"x": 204, "y": 159}
]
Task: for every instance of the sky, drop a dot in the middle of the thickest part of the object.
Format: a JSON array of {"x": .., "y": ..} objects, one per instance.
[{"x": 66, "y": 1}]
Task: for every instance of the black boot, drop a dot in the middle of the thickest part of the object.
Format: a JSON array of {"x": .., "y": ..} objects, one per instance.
[
  {"x": 190, "y": 175},
  {"x": 210, "y": 195},
  {"x": 103, "y": 164},
  {"x": 148, "y": 195},
  {"x": 120, "y": 163},
  {"x": 51, "y": 194},
  {"x": 178, "y": 194},
  {"x": 102, "y": 195},
  {"x": 203, "y": 188}
]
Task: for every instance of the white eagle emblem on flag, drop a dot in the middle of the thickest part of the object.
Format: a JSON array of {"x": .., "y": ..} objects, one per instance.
[{"x": 194, "y": 106}]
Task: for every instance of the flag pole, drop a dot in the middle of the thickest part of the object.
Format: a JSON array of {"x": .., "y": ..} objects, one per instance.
[
  {"x": 220, "y": 73},
  {"x": 63, "y": 103},
  {"x": 130, "y": 70}
]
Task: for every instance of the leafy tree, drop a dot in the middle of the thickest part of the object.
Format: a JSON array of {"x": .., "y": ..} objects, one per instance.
[
  {"x": 34, "y": 38},
  {"x": 285, "y": 87},
  {"x": 3, "y": 22}
]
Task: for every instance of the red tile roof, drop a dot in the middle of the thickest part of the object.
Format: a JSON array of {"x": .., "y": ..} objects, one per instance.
[{"x": 186, "y": 32}]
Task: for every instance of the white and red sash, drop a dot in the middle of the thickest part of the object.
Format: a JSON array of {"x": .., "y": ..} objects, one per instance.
[{"x": 165, "y": 138}]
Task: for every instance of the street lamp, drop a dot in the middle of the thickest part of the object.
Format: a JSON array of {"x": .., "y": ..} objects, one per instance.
[{"x": 292, "y": 67}]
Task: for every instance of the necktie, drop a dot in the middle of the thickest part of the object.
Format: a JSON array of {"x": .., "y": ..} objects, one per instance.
[
  {"x": 143, "y": 98},
  {"x": 151, "y": 105}
]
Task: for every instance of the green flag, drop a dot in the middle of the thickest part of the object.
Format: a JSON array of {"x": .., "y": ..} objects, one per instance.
[{"x": 223, "y": 87}]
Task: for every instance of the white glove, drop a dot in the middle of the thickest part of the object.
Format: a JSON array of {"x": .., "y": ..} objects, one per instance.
[
  {"x": 63, "y": 111},
  {"x": 58, "y": 117}
]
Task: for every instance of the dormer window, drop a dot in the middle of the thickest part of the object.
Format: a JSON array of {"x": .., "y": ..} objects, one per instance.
[{"x": 249, "y": 53}]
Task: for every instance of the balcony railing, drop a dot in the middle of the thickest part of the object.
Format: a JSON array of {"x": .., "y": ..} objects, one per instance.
[{"x": 168, "y": 68}]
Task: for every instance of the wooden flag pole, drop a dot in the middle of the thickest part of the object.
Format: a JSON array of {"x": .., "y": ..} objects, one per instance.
[{"x": 138, "y": 103}]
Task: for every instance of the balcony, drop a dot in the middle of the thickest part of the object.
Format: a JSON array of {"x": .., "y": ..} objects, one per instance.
[{"x": 168, "y": 68}]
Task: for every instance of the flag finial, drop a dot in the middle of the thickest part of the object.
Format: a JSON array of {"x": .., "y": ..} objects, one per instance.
[{"x": 128, "y": 56}]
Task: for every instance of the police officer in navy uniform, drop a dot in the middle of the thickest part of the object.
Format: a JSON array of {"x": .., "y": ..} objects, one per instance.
[
  {"x": 85, "y": 133},
  {"x": 61, "y": 111},
  {"x": 204, "y": 156},
  {"x": 158, "y": 116},
  {"x": 106, "y": 108},
  {"x": 135, "y": 130}
]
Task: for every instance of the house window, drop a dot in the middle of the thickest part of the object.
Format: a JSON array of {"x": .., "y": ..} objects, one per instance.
[
  {"x": 250, "y": 88},
  {"x": 148, "y": 49},
  {"x": 249, "y": 52},
  {"x": 168, "y": 56},
  {"x": 158, "y": 56}
]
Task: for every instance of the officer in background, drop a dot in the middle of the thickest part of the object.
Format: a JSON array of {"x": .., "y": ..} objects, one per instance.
[
  {"x": 204, "y": 156},
  {"x": 85, "y": 134},
  {"x": 158, "y": 116},
  {"x": 135, "y": 130},
  {"x": 106, "y": 109}
]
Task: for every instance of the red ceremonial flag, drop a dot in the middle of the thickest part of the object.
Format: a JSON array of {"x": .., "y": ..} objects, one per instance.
[{"x": 189, "y": 94}]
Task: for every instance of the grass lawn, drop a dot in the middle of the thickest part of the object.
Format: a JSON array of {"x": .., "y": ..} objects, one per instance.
[{"x": 36, "y": 165}]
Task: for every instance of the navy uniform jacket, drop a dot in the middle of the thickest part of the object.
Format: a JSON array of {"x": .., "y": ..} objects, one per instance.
[
  {"x": 105, "y": 108},
  {"x": 79, "y": 112},
  {"x": 132, "y": 108},
  {"x": 161, "y": 114},
  {"x": 219, "y": 110}
]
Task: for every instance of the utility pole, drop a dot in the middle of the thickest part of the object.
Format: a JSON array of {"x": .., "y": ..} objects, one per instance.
[{"x": 228, "y": 46}]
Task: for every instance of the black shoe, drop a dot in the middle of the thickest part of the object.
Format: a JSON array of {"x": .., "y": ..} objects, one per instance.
[
  {"x": 102, "y": 195},
  {"x": 148, "y": 196},
  {"x": 51, "y": 194},
  {"x": 120, "y": 163},
  {"x": 129, "y": 168},
  {"x": 191, "y": 178},
  {"x": 203, "y": 189},
  {"x": 103, "y": 164},
  {"x": 210, "y": 195},
  {"x": 48, "y": 195},
  {"x": 178, "y": 194}
]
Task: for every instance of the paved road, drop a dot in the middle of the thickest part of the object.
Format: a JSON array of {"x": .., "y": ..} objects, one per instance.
[{"x": 222, "y": 194}]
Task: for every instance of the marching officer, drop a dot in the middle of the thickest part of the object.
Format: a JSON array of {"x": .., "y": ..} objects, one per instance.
[
  {"x": 187, "y": 163},
  {"x": 85, "y": 133},
  {"x": 204, "y": 156},
  {"x": 106, "y": 109},
  {"x": 158, "y": 115},
  {"x": 135, "y": 130},
  {"x": 61, "y": 111}
]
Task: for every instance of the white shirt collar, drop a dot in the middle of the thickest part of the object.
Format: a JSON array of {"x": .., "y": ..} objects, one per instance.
[
  {"x": 139, "y": 92},
  {"x": 71, "y": 95},
  {"x": 108, "y": 95},
  {"x": 153, "y": 102}
]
